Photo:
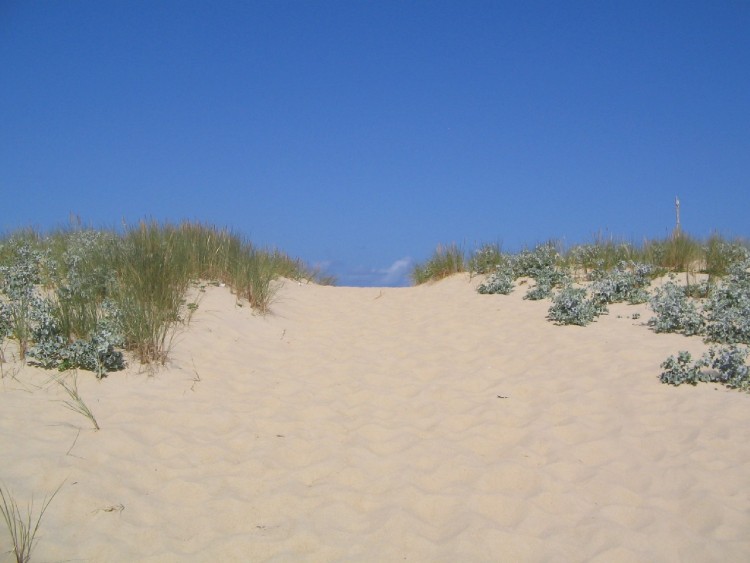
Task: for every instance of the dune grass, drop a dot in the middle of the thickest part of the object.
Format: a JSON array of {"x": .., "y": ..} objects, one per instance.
[
  {"x": 444, "y": 262},
  {"x": 21, "y": 527},
  {"x": 134, "y": 282},
  {"x": 678, "y": 253},
  {"x": 76, "y": 402}
]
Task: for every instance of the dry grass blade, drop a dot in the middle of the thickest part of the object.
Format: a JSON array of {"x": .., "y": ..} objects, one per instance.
[{"x": 77, "y": 404}]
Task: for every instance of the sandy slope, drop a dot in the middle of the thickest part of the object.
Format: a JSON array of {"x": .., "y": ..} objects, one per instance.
[{"x": 419, "y": 424}]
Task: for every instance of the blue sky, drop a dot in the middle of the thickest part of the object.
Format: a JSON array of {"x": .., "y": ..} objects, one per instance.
[{"x": 358, "y": 135}]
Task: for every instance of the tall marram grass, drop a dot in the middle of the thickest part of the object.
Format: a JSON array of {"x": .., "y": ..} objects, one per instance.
[
  {"x": 678, "y": 253},
  {"x": 157, "y": 263},
  {"x": 144, "y": 274},
  {"x": 444, "y": 262},
  {"x": 22, "y": 528},
  {"x": 153, "y": 275}
]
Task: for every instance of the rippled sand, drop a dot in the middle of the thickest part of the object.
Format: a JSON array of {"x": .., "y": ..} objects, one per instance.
[{"x": 365, "y": 424}]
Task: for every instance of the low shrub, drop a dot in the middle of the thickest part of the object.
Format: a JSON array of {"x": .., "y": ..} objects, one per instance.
[
  {"x": 681, "y": 369},
  {"x": 96, "y": 352},
  {"x": 486, "y": 259},
  {"x": 546, "y": 281},
  {"x": 602, "y": 255},
  {"x": 545, "y": 265},
  {"x": 730, "y": 365},
  {"x": 537, "y": 263},
  {"x": 720, "y": 364},
  {"x": 500, "y": 281},
  {"x": 727, "y": 309},
  {"x": 674, "y": 311},
  {"x": 721, "y": 255},
  {"x": 571, "y": 306},
  {"x": 19, "y": 277},
  {"x": 627, "y": 282}
]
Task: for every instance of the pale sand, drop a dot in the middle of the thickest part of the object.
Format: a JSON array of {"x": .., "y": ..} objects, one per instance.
[{"x": 365, "y": 425}]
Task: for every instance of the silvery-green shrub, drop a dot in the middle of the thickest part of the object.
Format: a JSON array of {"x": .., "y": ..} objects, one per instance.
[
  {"x": 681, "y": 369},
  {"x": 730, "y": 365},
  {"x": 572, "y": 306},
  {"x": 727, "y": 309},
  {"x": 674, "y": 311},
  {"x": 96, "y": 352},
  {"x": 625, "y": 282},
  {"x": 18, "y": 280},
  {"x": 536, "y": 263},
  {"x": 544, "y": 265},
  {"x": 721, "y": 364},
  {"x": 500, "y": 281},
  {"x": 486, "y": 259},
  {"x": 546, "y": 281}
]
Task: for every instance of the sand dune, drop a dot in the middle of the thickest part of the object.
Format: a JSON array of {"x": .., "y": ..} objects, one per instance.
[{"x": 365, "y": 424}]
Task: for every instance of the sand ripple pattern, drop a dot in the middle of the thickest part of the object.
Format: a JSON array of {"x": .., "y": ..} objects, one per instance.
[{"x": 419, "y": 424}]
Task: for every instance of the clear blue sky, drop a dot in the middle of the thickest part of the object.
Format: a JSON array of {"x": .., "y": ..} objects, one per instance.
[{"x": 360, "y": 134}]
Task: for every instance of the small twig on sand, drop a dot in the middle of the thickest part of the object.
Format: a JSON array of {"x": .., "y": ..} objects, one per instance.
[{"x": 113, "y": 508}]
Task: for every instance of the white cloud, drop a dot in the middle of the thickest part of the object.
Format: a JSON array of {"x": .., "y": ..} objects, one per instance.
[{"x": 397, "y": 273}]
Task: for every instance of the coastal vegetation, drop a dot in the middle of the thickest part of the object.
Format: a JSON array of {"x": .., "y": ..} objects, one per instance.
[
  {"x": 81, "y": 298},
  {"x": 705, "y": 291},
  {"x": 78, "y": 298}
]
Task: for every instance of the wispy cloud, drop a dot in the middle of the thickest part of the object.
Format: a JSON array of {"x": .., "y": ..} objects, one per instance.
[
  {"x": 398, "y": 272},
  {"x": 395, "y": 275}
]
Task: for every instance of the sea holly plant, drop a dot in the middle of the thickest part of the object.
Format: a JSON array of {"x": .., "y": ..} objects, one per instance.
[
  {"x": 96, "y": 353},
  {"x": 486, "y": 259},
  {"x": 18, "y": 281},
  {"x": 720, "y": 364},
  {"x": 5, "y": 327},
  {"x": 727, "y": 310},
  {"x": 538, "y": 262},
  {"x": 42, "y": 325},
  {"x": 572, "y": 306},
  {"x": 675, "y": 312},
  {"x": 500, "y": 281},
  {"x": 681, "y": 369},
  {"x": 730, "y": 365},
  {"x": 544, "y": 265},
  {"x": 626, "y": 282}
]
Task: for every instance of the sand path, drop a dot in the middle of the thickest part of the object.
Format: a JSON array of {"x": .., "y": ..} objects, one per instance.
[{"x": 418, "y": 424}]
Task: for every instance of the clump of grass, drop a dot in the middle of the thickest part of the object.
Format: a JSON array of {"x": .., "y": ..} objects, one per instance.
[
  {"x": 445, "y": 261},
  {"x": 486, "y": 259},
  {"x": 600, "y": 255},
  {"x": 22, "y": 528},
  {"x": 721, "y": 255},
  {"x": 152, "y": 277},
  {"x": 678, "y": 253}
]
